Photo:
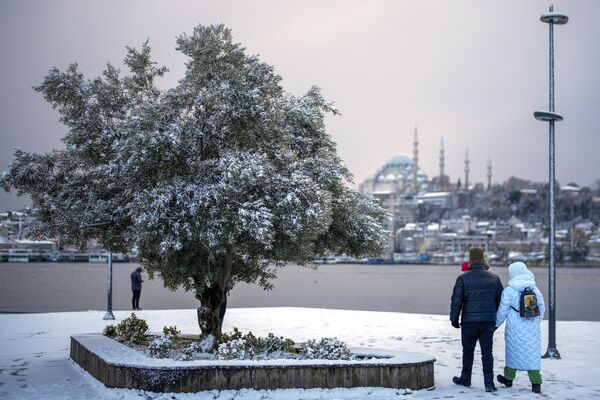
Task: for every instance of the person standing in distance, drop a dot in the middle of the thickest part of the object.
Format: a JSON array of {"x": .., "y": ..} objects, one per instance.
[
  {"x": 136, "y": 288},
  {"x": 475, "y": 298}
]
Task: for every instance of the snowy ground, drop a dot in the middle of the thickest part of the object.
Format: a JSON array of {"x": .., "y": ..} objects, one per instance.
[{"x": 34, "y": 356}]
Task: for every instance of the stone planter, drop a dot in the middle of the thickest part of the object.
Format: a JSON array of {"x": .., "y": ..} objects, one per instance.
[{"x": 119, "y": 366}]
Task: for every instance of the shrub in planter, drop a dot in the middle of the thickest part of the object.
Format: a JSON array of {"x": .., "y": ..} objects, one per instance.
[
  {"x": 236, "y": 345},
  {"x": 110, "y": 331},
  {"x": 199, "y": 350},
  {"x": 171, "y": 331},
  {"x": 228, "y": 337},
  {"x": 132, "y": 329},
  {"x": 233, "y": 346},
  {"x": 235, "y": 349},
  {"x": 326, "y": 349},
  {"x": 161, "y": 346},
  {"x": 267, "y": 347}
]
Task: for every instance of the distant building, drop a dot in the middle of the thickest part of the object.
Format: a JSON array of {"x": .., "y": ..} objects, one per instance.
[
  {"x": 6, "y": 243},
  {"x": 397, "y": 177},
  {"x": 454, "y": 243},
  {"x": 439, "y": 199},
  {"x": 44, "y": 245}
]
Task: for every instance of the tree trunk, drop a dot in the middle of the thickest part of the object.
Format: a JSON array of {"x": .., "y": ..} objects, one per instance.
[
  {"x": 211, "y": 297},
  {"x": 208, "y": 312}
]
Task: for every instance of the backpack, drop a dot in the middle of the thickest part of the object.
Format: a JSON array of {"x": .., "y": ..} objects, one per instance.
[{"x": 528, "y": 304}]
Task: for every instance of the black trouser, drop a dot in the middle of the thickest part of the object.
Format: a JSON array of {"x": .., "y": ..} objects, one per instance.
[
  {"x": 471, "y": 332},
  {"x": 135, "y": 300},
  {"x": 222, "y": 310}
]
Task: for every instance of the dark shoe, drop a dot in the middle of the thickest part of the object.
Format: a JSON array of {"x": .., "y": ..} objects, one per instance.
[
  {"x": 536, "y": 388},
  {"x": 505, "y": 381},
  {"x": 462, "y": 381},
  {"x": 490, "y": 387}
]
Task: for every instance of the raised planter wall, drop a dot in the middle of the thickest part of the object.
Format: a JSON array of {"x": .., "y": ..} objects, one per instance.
[{"x": 87, "y": 351}]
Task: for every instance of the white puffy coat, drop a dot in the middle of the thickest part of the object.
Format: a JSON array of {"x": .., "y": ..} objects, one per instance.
[{"x": 522, "y": 335}]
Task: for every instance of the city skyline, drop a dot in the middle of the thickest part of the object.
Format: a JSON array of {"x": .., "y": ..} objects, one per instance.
[{"x": 386, "y": 65}]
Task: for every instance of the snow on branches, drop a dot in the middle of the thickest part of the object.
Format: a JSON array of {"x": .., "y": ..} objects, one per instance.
[{"x": 225, "y": 163}]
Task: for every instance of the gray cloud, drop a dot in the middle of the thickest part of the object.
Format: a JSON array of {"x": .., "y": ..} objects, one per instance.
[{"x": 473, "y": 71}]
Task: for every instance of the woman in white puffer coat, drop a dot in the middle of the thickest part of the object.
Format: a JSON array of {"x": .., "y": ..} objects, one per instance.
[{"x": 522, "y": 335}]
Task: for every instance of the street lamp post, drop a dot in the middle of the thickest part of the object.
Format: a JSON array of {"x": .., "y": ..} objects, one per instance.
[
  {"x": 551, "y": 18},
  {"x": 109, "y": 313}
]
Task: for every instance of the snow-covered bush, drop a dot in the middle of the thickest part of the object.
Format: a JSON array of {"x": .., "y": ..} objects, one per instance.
[
  {"x": 160, "y": 346},
  {"x": 131, "y": 329},
  {"x": 274, "y": 347},
  {"x": 236, "y": 345},
  {"x": 232, "y": 346},
  {"x": 235, "y": 334},
  {"x": 236, "y": 349},
  {"x": 171, "y": 331},
  {"x": 110, "y": 331},
  {"x": 198, "y": 350},
  {"x": 325, "y": 349}
]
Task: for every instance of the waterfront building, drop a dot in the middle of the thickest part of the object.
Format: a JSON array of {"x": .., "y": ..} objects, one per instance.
[{"x": 454, "y": 243}]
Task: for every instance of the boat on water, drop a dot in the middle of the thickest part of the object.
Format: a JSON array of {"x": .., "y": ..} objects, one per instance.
[
  {"x": 102, "y": 257},
  {"x": 27, "y": 255},
  {"x": 98, "y": 257},
  {"x": 325, "y": 260}
]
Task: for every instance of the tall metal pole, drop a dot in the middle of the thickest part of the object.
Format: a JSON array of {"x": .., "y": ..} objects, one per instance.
[
  {"x": 109, "y": 313},
  {"x": 551, "y": 116},
  {"x": 552, "y": 351}
]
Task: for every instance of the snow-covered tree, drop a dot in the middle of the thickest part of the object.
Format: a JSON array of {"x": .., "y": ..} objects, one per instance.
[{"x": 221, "y": 178}]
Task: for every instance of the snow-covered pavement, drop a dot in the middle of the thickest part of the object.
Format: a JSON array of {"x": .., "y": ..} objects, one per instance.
[{"x": 34, "y": 355}]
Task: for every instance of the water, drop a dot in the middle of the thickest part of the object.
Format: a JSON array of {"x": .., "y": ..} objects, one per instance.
[{"x": 44, "y": 287}]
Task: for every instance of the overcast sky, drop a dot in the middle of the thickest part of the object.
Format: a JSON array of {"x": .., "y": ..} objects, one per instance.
[{"x": 472, "y": 71}]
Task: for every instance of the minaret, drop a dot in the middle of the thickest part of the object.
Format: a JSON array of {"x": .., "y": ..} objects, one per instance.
[
  {"x": 467, "y": 169},
  {"x": 489, "y": 173},
  {"x": 416, "y": 161},
  {"x": 442, "y": 163}
]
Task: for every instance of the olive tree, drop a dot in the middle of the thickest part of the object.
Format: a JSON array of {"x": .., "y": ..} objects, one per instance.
[{"x": 224, "y": 177}]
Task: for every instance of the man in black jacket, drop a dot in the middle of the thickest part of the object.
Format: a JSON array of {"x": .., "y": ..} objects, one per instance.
[
  {"x": 136, "y": 287},
  {"x": 476, "y": 296}
]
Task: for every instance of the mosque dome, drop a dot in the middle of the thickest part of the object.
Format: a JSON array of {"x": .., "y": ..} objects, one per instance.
[
  {"x": 398, "y": 175},
  {"x": 400, "y": 160}
]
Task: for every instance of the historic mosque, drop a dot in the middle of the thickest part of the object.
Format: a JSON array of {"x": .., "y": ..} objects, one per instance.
[
  {"x": 402, "y": 187},
  {"x": 401, "y": 175}
]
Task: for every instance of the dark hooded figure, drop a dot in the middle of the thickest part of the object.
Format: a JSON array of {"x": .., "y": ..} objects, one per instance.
[
  {"x": 223, "y": 308},
  {"x": 475, "y": 300},
  {"x": 136, "y": 287}
]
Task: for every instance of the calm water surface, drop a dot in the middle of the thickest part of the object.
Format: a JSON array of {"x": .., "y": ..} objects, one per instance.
[{"x": 44, "y": 287}]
